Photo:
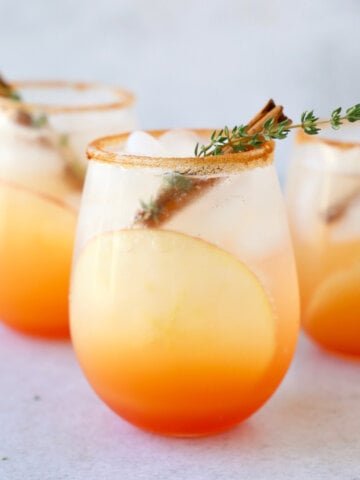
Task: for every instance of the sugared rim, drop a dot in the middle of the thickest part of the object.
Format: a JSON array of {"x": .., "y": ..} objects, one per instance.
[
  {"x": 99, "y": 150},
  {"x": 301, "y": 137},
  {"x": 122, "y": 97}
]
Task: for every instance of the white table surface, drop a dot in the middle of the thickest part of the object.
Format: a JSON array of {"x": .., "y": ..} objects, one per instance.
[{"x": 53, "y": 427}]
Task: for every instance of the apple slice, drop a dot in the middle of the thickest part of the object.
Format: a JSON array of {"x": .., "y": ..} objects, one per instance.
[
  {"x": 36, "y": 240},
  {"x": 162, "y": 319},
  {"x": 333, "y": 315}
]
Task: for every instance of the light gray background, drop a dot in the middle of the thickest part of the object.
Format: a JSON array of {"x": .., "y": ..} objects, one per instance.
[{"x": 193, "y": 62}]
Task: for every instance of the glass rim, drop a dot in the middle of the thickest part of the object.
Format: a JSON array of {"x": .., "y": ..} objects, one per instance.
[
  {"x": 98, "y": 150},
  {"x": 301, "y": 138},
  {"x": 123, "y": 97}
]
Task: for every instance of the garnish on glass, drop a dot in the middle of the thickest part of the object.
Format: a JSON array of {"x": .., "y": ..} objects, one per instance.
[
  {"x": 21, "y": 115},
  {"x": 73, "y": 170},
  {"x": 7, "y": 91},
  {"x": 178, "y": 190}
]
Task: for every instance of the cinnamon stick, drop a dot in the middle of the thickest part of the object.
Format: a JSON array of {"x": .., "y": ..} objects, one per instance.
[
  {"x": 169, "y": 201},
  {"x": 336, "y": 211},
  {"x": 5, "y": 89}
]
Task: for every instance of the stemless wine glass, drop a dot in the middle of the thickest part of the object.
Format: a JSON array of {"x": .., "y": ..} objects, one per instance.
[
  {"x": 43, "y": 136},
  {"x": 323, "y": 196},
  {"x": 184, "y": 302}
]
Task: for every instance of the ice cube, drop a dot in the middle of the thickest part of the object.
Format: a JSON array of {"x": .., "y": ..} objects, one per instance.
[
  {"x": 142, "y": 144},
  {"x": 261, "y": 227},
  {"x": 179, "y": 143}
]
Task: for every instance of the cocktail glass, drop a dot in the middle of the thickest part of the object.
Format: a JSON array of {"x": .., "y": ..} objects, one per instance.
[
  {"x": 42, "y": 166},
  {"x": 184, "y": 301},
  {"x": 323, "y": 196}
]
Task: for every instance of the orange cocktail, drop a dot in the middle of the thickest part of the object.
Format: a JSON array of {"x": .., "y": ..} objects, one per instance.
[
  {"x": 324, "y": 208},
  {"x": 184, "y": 309},
  {"x": 42, "y": 167}
]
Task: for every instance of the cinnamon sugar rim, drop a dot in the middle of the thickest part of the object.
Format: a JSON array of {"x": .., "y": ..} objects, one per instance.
[
  {"x": 122, "y": 97},
  {"x": 301, "y": 137},
  {"x": 231, "y": 162}
]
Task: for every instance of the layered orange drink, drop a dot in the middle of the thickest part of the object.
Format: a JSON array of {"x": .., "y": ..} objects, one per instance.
[
  {"x": 323, "y": 195},
  {"x": 184, "y": 304},
  {"x": 44, "y": 128}
]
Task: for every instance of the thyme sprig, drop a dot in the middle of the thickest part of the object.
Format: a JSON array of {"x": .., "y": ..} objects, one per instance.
[{"x": 238, "y": 139}]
